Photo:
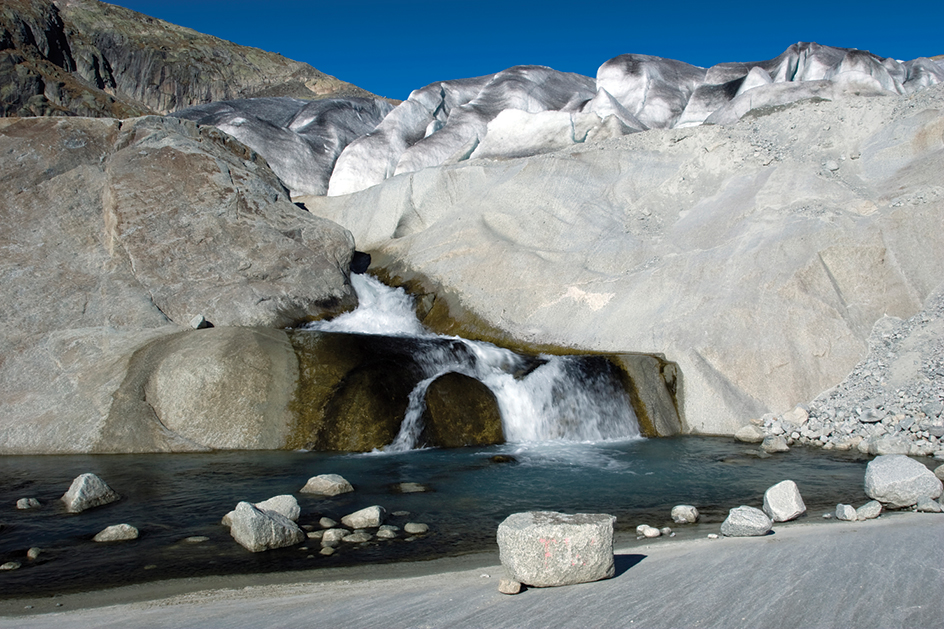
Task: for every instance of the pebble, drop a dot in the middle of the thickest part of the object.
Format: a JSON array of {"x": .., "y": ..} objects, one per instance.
[{"x": 33, "y": 553}]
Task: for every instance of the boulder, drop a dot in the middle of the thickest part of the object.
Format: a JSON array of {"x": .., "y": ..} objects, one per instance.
[
  {"x": 87, "y": 491},
  {"x": 774, "y": 443},
  {"x": 258, "y": 530},
  {"x": 368, "y": 517},
  {"x": 750, "y": 434},
  {"x": 746, "y": 521},
  {"x": 869, "y": 511},
  {"x": 545, "y": 548},
  {"x": 285, "y": 504},
  {"x": 460, "y": 411},
  {"x": 116, "y": 533},
  {"x": 846, "y": 513},
  {"x": 783, "y": 502},
  {"x": 27, "y": 503},
  {"x": 684, "y": 514},
  {"x": 898, "y": 481},
  {"x": 327, "y": 485}
]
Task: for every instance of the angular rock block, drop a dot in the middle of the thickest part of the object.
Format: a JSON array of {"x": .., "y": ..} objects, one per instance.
[
  {"x": 87, "y": 491},
  {"x": 897, "y": 481},
  {"x": 746, "y": 522},
  {"x": 546, "y": 548},
  {"x": 258, "y": 530},
  {"x": 116, "y": 533},
  {"x": 783, "y": 502}
]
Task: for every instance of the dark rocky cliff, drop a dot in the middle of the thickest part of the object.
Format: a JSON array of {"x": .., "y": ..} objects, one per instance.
[{"x": 88, "y": 58}]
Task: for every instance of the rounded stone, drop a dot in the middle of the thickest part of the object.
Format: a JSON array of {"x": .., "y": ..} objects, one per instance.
[
  {"x": 684, "y": 514},
  {"x": 416, "y": 528},
  {"x": 327, "y": 485},
  {"x": 746, "y": 521}
]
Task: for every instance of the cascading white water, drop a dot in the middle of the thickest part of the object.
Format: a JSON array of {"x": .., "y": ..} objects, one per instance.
[{"x": 549, "y": 398}]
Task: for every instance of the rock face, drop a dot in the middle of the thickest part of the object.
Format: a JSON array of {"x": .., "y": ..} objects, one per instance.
[
  {"x": 258, "y": 530},
  {"x": 545, "y": 548},
  {"x": 897, "y": 481},
  {"x": 662, "y": 243},
  {"x": 87, "y": 491},
  {"x": 460, "y": 411},
  {"x": 746, "y": 522},
  {"x": 783, "y": 502},
  {"x": 117, "y": 233},
  {"x": 88, "y": 58}
]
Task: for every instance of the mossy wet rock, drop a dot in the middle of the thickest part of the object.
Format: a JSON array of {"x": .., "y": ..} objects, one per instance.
[{"x": 460, "y": 411}]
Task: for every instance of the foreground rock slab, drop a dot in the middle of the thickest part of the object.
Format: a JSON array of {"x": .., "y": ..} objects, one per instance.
[
  {"x": 897, "y": 481},
  {"x": 546, "y": 548},
  {"x": 87, "y": 491}
]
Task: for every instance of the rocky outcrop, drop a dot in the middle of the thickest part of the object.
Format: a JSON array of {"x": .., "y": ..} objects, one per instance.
[
  {"x": 546, "y": 549},
  {"x": 735, "y": 251},
  {"x": 116, "y": 235},
  {"x": 88, "y": 58}
]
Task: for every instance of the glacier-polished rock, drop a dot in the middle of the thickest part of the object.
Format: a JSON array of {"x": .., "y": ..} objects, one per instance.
[{"x": 546, "y": 548}]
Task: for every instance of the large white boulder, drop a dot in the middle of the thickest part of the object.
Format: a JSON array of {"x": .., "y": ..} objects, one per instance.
[
  {"x": 258, "y": 530},
  {"x": 546, "y": 548},
  {"x": 87, "y": 491},
  {"x": 746, "y": 521},
  {"x": 783, "y": 502},
  {"x": 898, "y": 481}
]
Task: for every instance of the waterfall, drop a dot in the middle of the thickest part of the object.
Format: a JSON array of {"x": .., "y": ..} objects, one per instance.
[{"x": 543, "y": 398}]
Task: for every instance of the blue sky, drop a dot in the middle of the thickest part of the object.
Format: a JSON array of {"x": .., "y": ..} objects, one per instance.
[{"x": 395, "y": 46}]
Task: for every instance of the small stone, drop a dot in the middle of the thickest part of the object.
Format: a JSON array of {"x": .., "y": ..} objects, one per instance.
[
  {"x": 684, "y": 514},
  {"x": 33, "y": 553},
  {"x": 386, "y": 534},
  {"x": 783, "y": 502},
  {"x": 116, "y": 533},
  {"x": 334, "y": 535},
  {"x": 315, "y": 534},
  {"x": 846, "y": 513},
  {"x": 27, "y": 503},
  {"x": 665, "y": 530},
  {"x": 327, "y": 551},
  {"x": 285, "y": 504},
  {"x": 327, "y": 523},
  {"x": 927, "y": 505},
  {"x": 400, "y": 514},
  {"x": 327, "y": 485},
  {"x": 416, "y": 528},
  {"x": 712, "y": 536},
  {"x": 509, "y": 586},
  {"x": 869, "y": 511},
  {"x": 10, "y": 565},
  {"x": 199, "y": 322},
  {"x": 358, "y": 537},
  {"x": 412, "y": 488},
  {"x": 196, "y": 539}
]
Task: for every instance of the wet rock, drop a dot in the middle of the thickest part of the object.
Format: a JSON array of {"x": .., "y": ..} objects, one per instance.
[
  {"x": 387, "y": 532},
  {"x": 684, "y": 514},
  {"x": 939, "y": 472},
  {"x": 333, "y": 535},
  {"x": 509, "y": 586},
  {"x": 357, "y": 537},
  {"x": 258, "y": 530},
  {"x": 314, "y": 534},
  {"x": 411, "y": 488},
  {"x": 195, "y": 539},
  {"x": 27, "y": 503},
  {"x": 774, "y": 443},
  {"x": 928, "y": 505},
  {"x": 544, "y": 548},
  {"x": 750, "y": 434},
  {"x": 87, "y": 491},
  {"x": 503, "y": 458},
  {"x": 285, "y": 504},
  {"x": 416, "y": 528},
  {"x": 327, "y": 485},
  {"x": 369, "y": 517},
  {"x": 10, "y": 565},
  {"x": 846, "y": 513},
  {"x": 783, "y": 502},
  {"x": 898, "y": 481},
  {"x": 327, "y": 551},
  {"x": 33, "y": 553},
  {"x": 746, "y": 521},
  {"x": 117, "y": 533},
  {"x": 869, "y": 511},
  {"x": 460, "y": 411},
  {"x": 327, "y": 523}
]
